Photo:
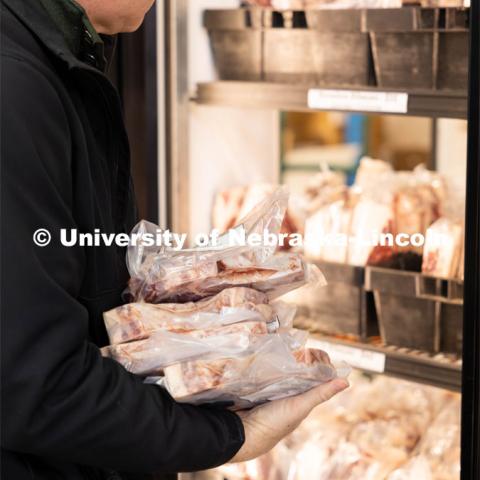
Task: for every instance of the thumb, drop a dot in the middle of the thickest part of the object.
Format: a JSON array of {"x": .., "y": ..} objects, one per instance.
[{"x": 322, "y": 393}]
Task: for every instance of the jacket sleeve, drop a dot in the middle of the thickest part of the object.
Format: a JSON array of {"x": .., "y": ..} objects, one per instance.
[{"x": 60, "y": 398}]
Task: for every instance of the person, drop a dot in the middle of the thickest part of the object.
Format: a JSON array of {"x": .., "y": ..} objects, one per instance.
[{"x": 67, "y": 412}]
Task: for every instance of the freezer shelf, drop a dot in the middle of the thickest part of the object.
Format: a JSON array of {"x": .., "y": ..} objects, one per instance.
[
  {"x": 263, "y": 95},
  {"x": 438, "y": 370}
]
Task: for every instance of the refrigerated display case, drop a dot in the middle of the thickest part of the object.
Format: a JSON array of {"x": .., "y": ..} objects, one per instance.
[{"x": 217, "y": 133}]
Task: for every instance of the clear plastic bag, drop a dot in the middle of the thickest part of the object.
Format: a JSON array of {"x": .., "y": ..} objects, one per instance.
[
  {"x": 441, "y": 444},
  {"x": 160, "y": 274},
  {"x": 135, "y": 321},
  {"x": 139, "y": 321},
  {"x": 369, "y": 219},
  {"x": 407, "y": 204},
  {"x": 438, "y": 453},
  {"x": 232, "y": 204},
  {"x": 326, "y": 232},
  {"x": 415, "y": 469},
  {"x": 276, "y": 276},
  {"x": 442, "y": 252},
  {"x": 163, "y": 348},
  {"x": 279, "y": 366}
]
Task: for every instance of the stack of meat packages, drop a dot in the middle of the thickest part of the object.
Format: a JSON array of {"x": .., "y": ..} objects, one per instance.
[
  {"x": 342, "y": 224},
  {"x": 207, "y": 325},
  {"x": 381, "y": 205},
  {"x": 386, "y": 202}
]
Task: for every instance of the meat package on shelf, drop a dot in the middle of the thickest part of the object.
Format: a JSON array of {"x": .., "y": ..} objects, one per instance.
[
  {"x": 381, "y": 205},
  {"x": 206, "y": 323},
  {"x": 383, "y": 429},
  {"x": 391, "y": 219}
]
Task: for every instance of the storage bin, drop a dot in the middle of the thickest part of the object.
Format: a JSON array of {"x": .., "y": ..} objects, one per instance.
[
  {"x": 288, "y": 56},
  {"x": 329, "y": 49},
  {"x": 453, "y": 61},
  {"x": 416, "y": 311},
  {"x": 341, "y": 49},
  {"x": 314, "y": 47},
  {"x": 409, "y": 48},
  {"x": 449, "y": 294},
  {"x": 288, "y": 48},
  {"x": 451, "y": 328},
  {"x": 236, "y": 42},
  {"x": 419, "y": 48},
  {"x": 342, "y": 306}
]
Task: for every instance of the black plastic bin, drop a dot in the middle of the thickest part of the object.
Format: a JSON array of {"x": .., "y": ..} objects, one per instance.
[
  {"x": 342, "y": 306},
  {"x": 419, "y": 48},
  {"x": 341, "y": 48},
  {"x": 317, "y": 47},
  {"x": 312, "y": 47},
  {"x": 409, "y": 48},
  {"x": 416, "y": 311},
  {"x": 287, "y": 48},
  {"x": 236, "y": 39}
]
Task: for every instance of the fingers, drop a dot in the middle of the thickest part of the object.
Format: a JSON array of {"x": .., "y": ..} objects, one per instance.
[{"x": 322, "y": 393}]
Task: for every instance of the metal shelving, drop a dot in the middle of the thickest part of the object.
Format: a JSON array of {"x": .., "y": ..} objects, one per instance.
[
  {"x": 444, "y": 371},
  {"x": 290, "y": 97},
  {"x": 441, "y": 370}
]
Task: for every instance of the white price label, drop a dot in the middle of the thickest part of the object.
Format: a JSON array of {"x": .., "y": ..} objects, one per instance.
[
  {"x": 355, "y": 357},
  {"x": 358, "y": 101}
]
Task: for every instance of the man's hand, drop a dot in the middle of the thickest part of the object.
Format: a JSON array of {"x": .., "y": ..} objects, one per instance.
[{"x": 267, "y": 424}]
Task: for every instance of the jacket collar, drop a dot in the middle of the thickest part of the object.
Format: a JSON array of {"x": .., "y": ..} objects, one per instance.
[
  {"x": 71, "y": 19},
  {"x": 36, "y": 18}
]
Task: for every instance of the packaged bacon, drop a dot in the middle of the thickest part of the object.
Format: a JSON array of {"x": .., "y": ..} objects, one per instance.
[
  {"x": 443, "y": 248},
  {"x": 279, "y": 366},
  {"x": 226, "y": 208},
  {"x": 158, "y": 272},
  {"x": 166, "y": 275},
  {"x": 233, "y": 204},
  {"x": 136, "y": 321},
  {"x": 326, "y": 232},
  {"x": 276, "y": 276},
  {"x": 163, "y": 347}
]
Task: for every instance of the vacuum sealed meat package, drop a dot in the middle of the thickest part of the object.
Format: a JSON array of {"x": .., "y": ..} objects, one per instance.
[
  {"x": 134, "y": 321},
  {"x": 326, "y": 232},
  {"x": 279, "y": 367},
  {"x": 233, "y": 204},
  {"x": 276, "y": 276},
  {"x": 443, "y": 248},
  {"x": 417, "y": 467},
  {"x": 163, "y": 348},
  {"x": 167, "y": 275},
  {"x": 137, "y": 321},
  {"x": 438, "y": 454},
  {"x": 160, "y": 274}
]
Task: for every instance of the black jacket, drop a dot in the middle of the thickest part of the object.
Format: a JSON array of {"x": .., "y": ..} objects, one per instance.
[{"x": 68, "y": 413}]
